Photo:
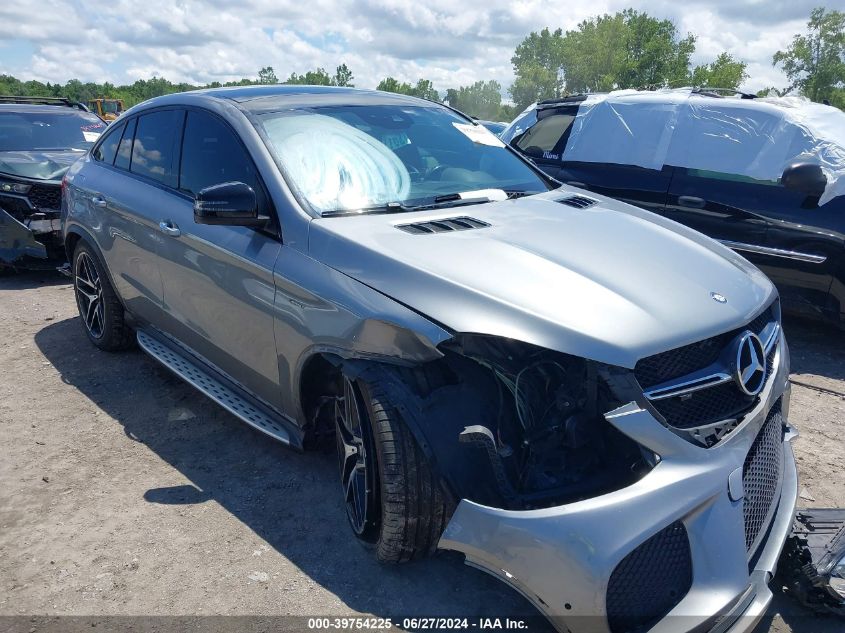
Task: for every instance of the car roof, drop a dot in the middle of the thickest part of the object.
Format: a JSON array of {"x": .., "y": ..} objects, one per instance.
[
  {"x": 30, "y": 107},
  {"x": 258, "y": 99}
]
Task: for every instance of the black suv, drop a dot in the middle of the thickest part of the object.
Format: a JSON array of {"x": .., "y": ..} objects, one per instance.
[
  {"x": 763, "y": 176},
  {"x": 40, "y": 138}
]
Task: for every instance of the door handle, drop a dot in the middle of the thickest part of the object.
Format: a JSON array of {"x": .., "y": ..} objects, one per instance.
[
  {"x": 693, "y": 202},
  {"x": 98, "y": 201},
  {"x": 169, "y": 228}
]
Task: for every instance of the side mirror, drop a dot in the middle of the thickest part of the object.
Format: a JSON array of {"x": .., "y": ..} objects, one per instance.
[
  {"x": 806, "y": 178},
  {"x": 229, "y": 203}
]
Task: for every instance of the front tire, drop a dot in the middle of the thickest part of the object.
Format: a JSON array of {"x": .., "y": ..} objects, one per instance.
[
  {"x": 406, "y": 509},
  {"x": 99, "y": 306}
]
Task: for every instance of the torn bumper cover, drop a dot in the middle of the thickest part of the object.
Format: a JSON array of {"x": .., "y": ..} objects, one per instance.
[
  {"x": 690, "y": 546},
  {"x": 17, "y": 241}
]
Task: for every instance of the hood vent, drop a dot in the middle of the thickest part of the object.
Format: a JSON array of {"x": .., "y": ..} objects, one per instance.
[
  {"x": 442, "y": 226},
  {"x": 579, "y": 202}
]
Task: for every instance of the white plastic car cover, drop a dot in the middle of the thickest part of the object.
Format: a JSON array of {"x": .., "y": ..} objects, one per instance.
[
  {"x": 334, "y": 165},
  {"x": 754, "y": 138}
]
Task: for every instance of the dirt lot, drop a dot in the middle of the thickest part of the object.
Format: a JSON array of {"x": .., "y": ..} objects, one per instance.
[{"x": 125, "y": 492}]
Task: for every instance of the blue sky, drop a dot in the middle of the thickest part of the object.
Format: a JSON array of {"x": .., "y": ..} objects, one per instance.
[{"x": 451, "y": 43}]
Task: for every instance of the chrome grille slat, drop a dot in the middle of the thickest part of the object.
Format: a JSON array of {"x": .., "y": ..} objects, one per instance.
[{"x": 693, "y": 387}]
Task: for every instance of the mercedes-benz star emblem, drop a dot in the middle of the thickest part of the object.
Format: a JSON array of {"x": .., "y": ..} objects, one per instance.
[
  {"x": 717, "y": 297},
  {"x": 750, "y": 372}
]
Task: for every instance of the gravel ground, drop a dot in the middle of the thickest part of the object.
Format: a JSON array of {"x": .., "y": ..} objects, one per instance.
[{"x": 125, "y": 492}]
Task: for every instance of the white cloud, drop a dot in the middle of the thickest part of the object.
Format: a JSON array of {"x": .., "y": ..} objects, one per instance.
[{"x": 451, "y": 43}]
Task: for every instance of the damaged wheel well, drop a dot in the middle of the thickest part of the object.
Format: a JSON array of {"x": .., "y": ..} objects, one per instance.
[{"x": 502, "y": 423}]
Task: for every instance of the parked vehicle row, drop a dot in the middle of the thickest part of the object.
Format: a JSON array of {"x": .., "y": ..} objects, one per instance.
[
  {"x": 588, "y": 400},
  {"x": 40, "y": 138},
  {"x": 765, "y": 177}
]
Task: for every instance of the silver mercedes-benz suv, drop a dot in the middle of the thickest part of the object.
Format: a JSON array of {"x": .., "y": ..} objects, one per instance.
[{"x": 588, "y": 401}]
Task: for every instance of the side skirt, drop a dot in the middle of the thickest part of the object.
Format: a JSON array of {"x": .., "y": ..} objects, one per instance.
[{"x": 238, "y": 404}]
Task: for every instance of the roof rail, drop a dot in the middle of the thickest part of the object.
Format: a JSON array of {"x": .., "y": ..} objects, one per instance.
[
  {"x": 720, "y": 92},
  {"x": 57, "y": 101}
]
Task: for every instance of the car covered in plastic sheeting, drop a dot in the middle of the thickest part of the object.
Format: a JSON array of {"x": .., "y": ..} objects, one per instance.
[
  {"x": 587, "y": 400},
  {"x": 765, "y": 176},
  {"x": 40, "y": 138}
]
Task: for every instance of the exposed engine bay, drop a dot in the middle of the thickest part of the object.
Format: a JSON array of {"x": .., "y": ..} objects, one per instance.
[{"x": 511, "y": 425}]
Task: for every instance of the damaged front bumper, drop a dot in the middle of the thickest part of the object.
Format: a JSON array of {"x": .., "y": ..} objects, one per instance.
[
  {"x": 576, "y": 562},
  {"x": 21, "y": 243}
]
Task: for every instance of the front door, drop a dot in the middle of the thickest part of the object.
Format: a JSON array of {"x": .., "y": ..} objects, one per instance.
[{"x": 218, "y": 280}]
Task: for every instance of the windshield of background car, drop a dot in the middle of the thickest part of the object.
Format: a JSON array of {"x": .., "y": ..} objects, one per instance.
[
  {"x": 353, "y": 158},
  {"x": 33, "y": 131}
]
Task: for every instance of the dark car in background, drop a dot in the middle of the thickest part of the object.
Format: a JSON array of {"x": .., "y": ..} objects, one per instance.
[
  {"x": 763, "y": 176},
  {"x": 40, "y": 138}
]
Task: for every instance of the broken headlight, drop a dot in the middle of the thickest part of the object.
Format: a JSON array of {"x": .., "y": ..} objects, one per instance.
[
  {"x": 837, "y": 578},
  {"x": 542, "y": 431},
  {"x": 813, "y": 562}
]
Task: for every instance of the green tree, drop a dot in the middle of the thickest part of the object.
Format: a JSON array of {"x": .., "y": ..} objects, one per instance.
[
  {"x": 537, "y": 62},
  {"x": 483, "y": 99},
  {"x": 724, "y": 72},
  {"x": 343, "y": 76},
  {"x": 317, "y": 77},
  {"x": 628, "y": 49},
  {"x": 423, "y": 89},
  {"x": 815, "y": 62},
  {"x": 267, "y": 76}
]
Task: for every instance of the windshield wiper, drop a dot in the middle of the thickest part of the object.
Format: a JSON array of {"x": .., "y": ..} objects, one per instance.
[{"x": 440, "y": 202}]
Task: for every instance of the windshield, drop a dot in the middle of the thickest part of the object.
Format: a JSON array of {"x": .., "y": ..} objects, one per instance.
[
  {"x": 364, "y": 158},
  {"x": 32, "y": 131},
  {"x": 111, "y": 107}
]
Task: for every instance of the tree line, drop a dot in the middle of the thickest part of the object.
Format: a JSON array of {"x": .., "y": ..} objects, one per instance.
[{"x": 629, "y": 49}]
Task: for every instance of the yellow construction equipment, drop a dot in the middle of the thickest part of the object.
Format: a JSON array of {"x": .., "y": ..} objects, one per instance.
[{"x": 106, "y": 109}]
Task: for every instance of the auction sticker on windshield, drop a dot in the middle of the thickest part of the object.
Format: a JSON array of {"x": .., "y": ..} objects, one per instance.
[{"x": 479, "y": 134}]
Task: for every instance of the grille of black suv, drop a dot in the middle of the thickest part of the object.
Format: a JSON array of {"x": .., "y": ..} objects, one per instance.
[
  {"x": 650, "y": 581},
  {"x": 16, "y": 207},
  {"x": 761, "y": 475},
  {"x": 46, "y": 196},
  {"x": 721, "y": 401}
]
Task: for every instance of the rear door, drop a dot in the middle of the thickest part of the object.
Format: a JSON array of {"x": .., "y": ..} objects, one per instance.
[
  {"x": 218, "y": 280},
  {"x": 123, "y": 210}
]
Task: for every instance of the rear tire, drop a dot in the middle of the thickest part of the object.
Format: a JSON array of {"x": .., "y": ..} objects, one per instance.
[
  {"x": 99, "y": 306},
  {"x": 412, "y": 506}
]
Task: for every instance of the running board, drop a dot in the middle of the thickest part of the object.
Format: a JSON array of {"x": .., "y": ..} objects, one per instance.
[{"x": 214, "y": 389}]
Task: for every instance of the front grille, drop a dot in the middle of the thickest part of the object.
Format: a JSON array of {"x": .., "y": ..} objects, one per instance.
[
  {"x": 650, "y": 581},
  {"x": 706, "y": 406},
  {"x": 761, "y": 474},
  {"x": 46, "y": 196},
  {"x": 681, "y": 361}
]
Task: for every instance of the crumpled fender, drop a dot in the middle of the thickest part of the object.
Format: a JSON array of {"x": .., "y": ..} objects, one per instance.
[{"x": 17, "y": 241}]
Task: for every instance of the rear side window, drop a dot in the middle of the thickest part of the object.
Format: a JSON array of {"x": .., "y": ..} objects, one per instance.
[
  {"x": 107, "y": 150},
  {"x": 124, "y": 150},
  {"x": 212, "y": 154},
  {"x": 156, "y": 143}
]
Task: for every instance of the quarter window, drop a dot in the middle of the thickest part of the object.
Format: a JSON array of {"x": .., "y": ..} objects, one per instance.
[
  {"x": 124, "y": 150},
  {"x": 156, "y": 142},
  {"x": 107, "y": 150},
  {"x": 212, "y": 154}
]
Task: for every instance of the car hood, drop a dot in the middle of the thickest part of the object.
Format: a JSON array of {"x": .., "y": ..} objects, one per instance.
[
  {"x": 39, "y": 165},
  {"x": 610, "y": 282}
]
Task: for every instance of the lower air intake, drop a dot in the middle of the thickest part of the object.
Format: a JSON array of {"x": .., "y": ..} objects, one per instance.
[{"x": 650, "y": 581}]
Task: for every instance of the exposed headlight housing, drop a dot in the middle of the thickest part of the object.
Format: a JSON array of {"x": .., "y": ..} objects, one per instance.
[{"x": 8, "y": 186}]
